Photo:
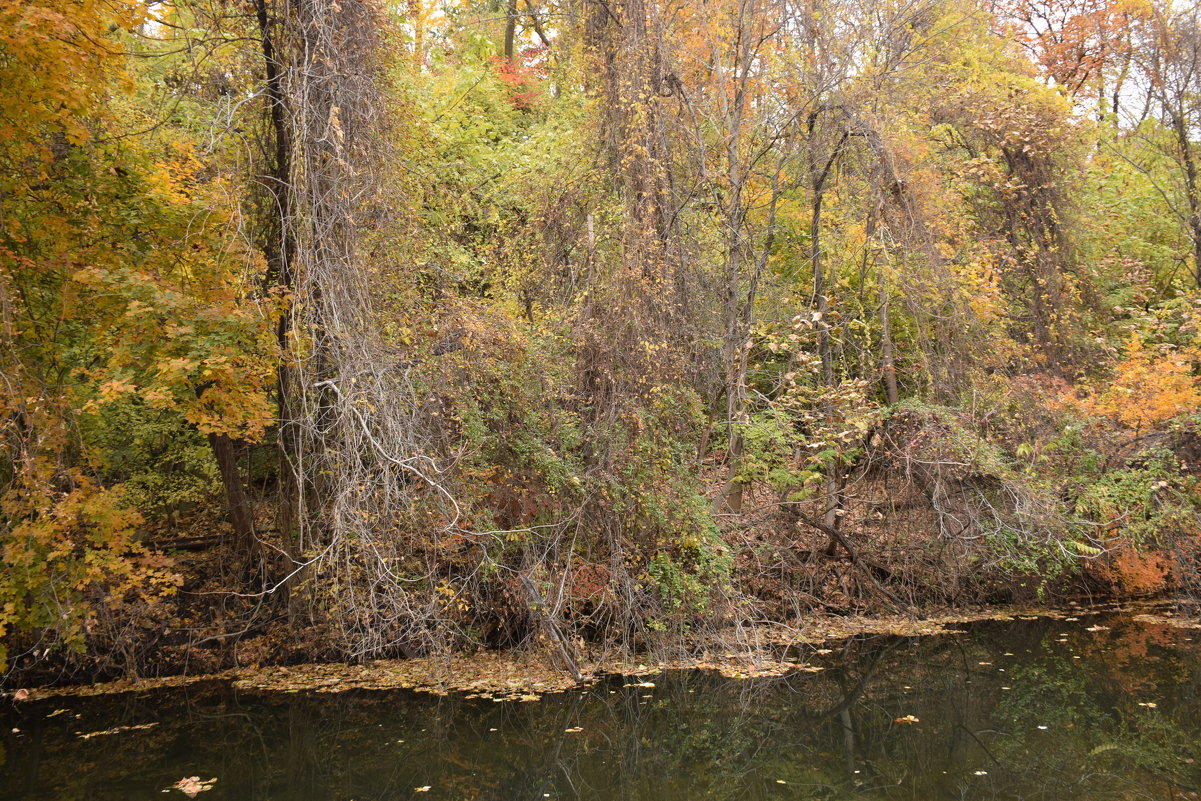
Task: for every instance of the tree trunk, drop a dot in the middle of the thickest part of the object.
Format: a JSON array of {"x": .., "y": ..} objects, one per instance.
[
  {"x": 510, "y": 30},
  {"x": 735, "y": 486},
  {"x": 740, "y": 249},
  {"x": 888, "y": 363},
  {"x": 279, "y": 250},
  {"x": 1191, "y": 189},
  {"x": 886, "y": 347},
  {"x": 821, "y": 321},
  {"x": 236, "y": 503}
]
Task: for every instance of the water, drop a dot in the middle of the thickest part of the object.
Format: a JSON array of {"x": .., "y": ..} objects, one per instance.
[{"x": 1039, "y": 709}]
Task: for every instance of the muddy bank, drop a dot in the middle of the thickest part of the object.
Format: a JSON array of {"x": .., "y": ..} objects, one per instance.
[{"x": 768, "y": 650}]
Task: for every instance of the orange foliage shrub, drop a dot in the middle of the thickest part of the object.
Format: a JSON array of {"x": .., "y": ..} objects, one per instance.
[
  {"x": 1132, "y": 573},
  {"x": 1150, "y": 386}
]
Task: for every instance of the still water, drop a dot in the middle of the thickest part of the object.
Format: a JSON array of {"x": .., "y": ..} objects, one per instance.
[{"x": 1028, "y": 709}]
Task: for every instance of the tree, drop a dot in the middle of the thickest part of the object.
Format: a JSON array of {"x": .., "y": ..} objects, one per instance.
[{"x": 1172, "y": 63}]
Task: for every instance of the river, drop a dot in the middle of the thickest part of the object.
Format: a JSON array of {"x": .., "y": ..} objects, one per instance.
[{"x": 1105, "y": 706}]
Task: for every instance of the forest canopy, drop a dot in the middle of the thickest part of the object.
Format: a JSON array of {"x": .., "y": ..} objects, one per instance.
[{"x": 335, "y": 329}]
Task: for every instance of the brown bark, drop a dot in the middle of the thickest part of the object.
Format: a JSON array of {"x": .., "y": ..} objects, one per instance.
[
  {"x": 237, "y": 504},
  {"x": 886, "y": 349},
  {"x": 821, "y": 174},
  {"x": 510, "y": 30},
  {"x": 278, "y": 250},
  {"x": 740, "y": 246},
  {"x": 1191, "y": 189}
]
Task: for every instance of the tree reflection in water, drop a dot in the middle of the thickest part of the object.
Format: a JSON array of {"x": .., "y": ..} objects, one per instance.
[{"x": 1022, "y": 709}]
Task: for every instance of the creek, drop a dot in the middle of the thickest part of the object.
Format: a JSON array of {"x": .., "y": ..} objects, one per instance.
[{"x": 1106, "y": 706}]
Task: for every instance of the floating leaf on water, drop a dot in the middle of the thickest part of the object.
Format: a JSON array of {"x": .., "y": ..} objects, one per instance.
[
  {"x": 1165, "y": 620},
  {"x": 192, "y": 786},
  {"x": 116, "y": 730}
]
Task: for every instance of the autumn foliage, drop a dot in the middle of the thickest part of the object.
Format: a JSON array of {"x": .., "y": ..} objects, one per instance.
[
  {"x": 1151, "y": 386},
  {"x": 353, "y": 329}
]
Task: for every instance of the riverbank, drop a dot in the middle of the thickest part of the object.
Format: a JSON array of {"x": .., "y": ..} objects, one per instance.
[
  {"x": 527, "y": 674},
  {"x": 1102, "y": 706}
]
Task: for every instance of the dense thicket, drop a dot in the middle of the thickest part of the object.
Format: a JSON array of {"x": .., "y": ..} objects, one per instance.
[{"x": 341, "y": 328}]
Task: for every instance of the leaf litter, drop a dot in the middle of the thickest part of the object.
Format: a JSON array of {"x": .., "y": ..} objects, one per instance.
[{"x": 508, "y": 676}]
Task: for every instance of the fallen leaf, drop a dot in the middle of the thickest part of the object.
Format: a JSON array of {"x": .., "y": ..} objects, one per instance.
[
  {"x": 191, "y": 786},
  {"x": 118, "y": 730}
]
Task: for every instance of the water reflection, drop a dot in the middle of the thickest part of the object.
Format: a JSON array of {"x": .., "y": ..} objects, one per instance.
[{"x": 1040, "y": 709}]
